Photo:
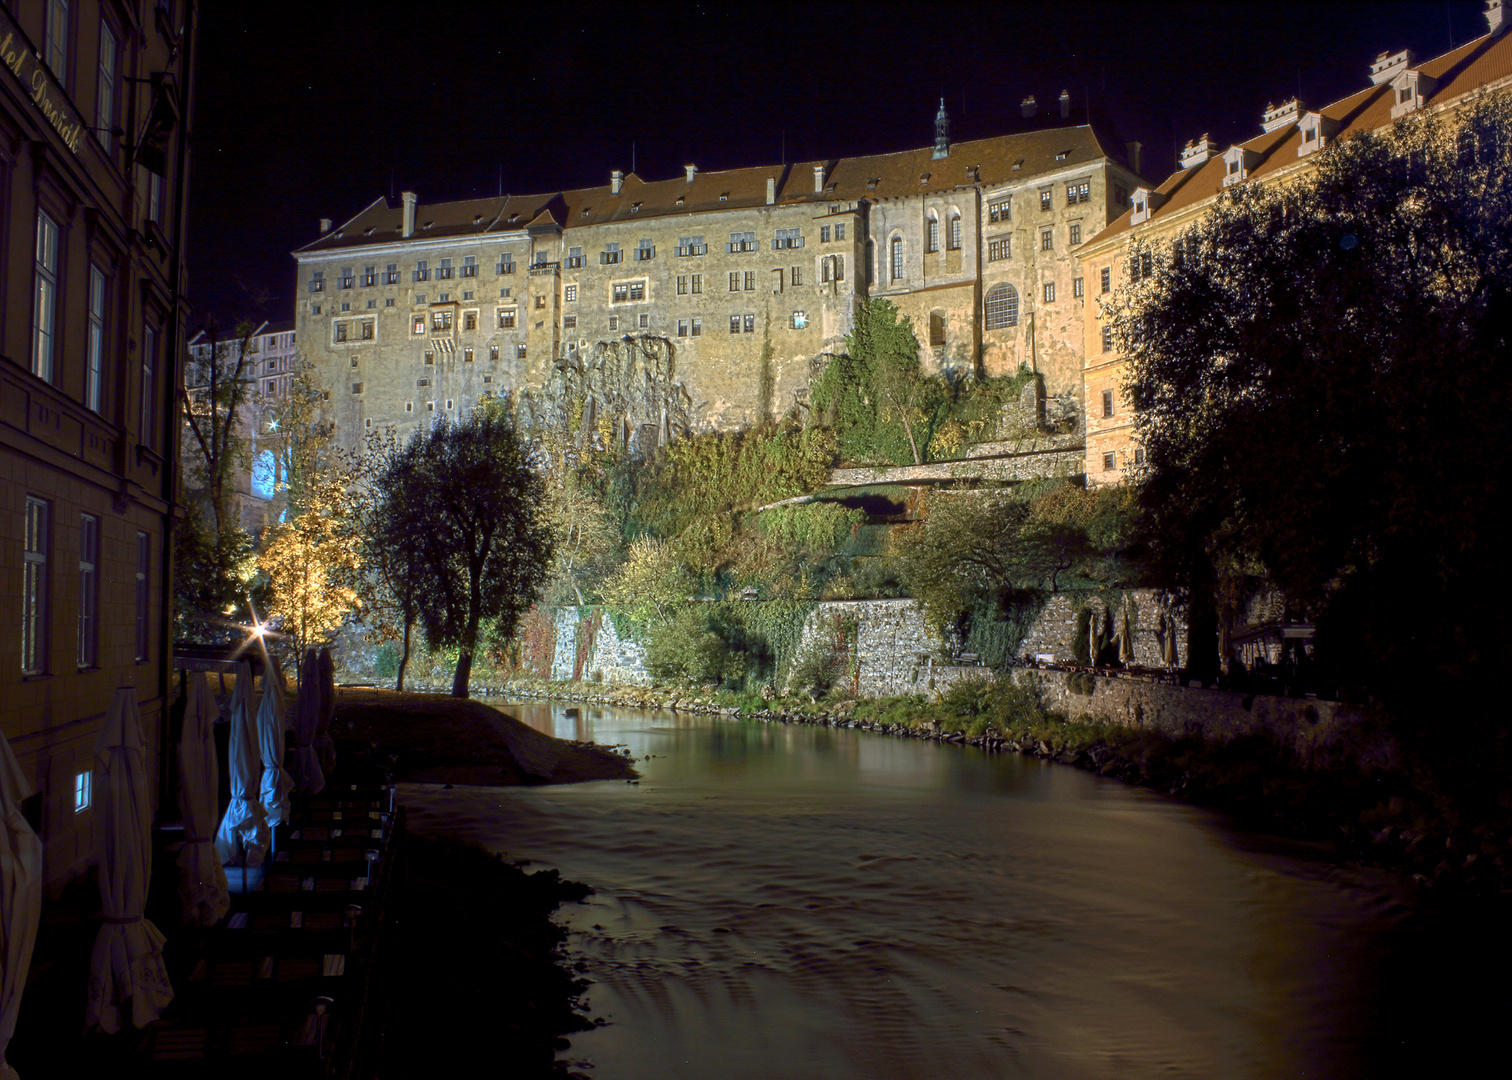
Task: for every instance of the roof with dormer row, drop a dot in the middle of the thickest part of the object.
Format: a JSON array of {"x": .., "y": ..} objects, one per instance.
[
  {"x": 1483, "y": 62},
  {"x": 987, "y": 163}
]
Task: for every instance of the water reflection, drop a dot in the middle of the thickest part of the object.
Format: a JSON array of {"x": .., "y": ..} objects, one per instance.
[{"x": 786, "y": 901}]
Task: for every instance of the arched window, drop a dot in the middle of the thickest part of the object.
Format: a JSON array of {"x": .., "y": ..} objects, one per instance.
[
  {"x": 897, "y": 258},
  {"x": 953, "y": 241},
  {"x": 933, "y": 233},
  {"x": 1001, "y": 307}
]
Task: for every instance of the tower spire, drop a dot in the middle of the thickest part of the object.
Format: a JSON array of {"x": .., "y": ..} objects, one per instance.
[{"x": 942, "y": 133}]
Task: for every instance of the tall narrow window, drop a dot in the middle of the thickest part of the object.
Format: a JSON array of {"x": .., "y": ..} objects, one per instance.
[
  {"x": 56, "y": 45},
  {"x": 897, "y": 258},
  {"x": 94, "y": 346},
  {"x": 34, "y": 588},
  {"x": 105, "y": 89},
  {"x": 45, "y": 301},
  {"x": 89, "y": 591},
  {"x": 954, "y": 241},
  {"x": 143, "y": 596},
  {"x": 149, "y": 386},
  {"x": 155, "y": 198},
  {"x": 933, "y": 240}
]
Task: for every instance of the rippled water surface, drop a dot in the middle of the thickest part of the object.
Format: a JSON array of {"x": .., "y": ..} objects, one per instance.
[{"x": 792, "y": 902}]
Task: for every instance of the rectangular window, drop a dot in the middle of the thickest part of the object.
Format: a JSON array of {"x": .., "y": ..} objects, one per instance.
[
  {"x": 1000, "y": 211},
  {"x": 1139, "y": 455},
  {"x": 742, "y": 241},
  {"x": 417, "y": 324},
  {"x": 645, "y": 320},
  {"x": 34, "y": 591},
  {"x": 519, "y": 352},
  {"x": 696, "y": 329},
  {"x": 569, "y": 322},
  {"x": 1078, "y": 288},
  {"x": 391, "y": 274},
  {"x": 368, "y": 327},
  {"x": 493, "y": 353},
  {"x": 430, "y": 356},
  {"x": 682, "y": 284},
  {"x": 89, "y": 591},
  {"x": 1110, "y": 461},
  {"x": 469, "y": 266},
  {"x": 1047, "y": 239},
  {"x": 682, "y": 327},
  {"x": 1078, "y": 191},
  {"x": 637, "y": 290},
  {"x": 645, "y": 251},
  {"x": 55, "y": 43},
  {"x": 824, "y": 234},
  {"x": 787, "y": 239},
  {"x": 149, "y": 385},
  {"x": 369, "y": 276},
  {"x": 505, "y": 264},
  {"x": 749, "y": 324},
  {"x": 614, "y": 322},
  {"x": 697, "y": 284},
  {"x": 691, "y": 245},
  {"x": 441, "y": 320},
  {"x": 734, "y": 280},
  {"x": 750, "y": 280},
  {"x": 1045, "y": 198},
  {"x": 105, "y": 89},
  {"x": 611, "y": 254},
  {"x": 569, "y": 293},
  {"x": 1074, "y": 236},
  {"x": 997, "y": 250},
  {"x": 45, "y": 298},
  {"x": 1107, "y": 403},
  {"x": 734, "y": 324},
  {"x": 143, "y": 595},
  {"x": 317, "y": 282},
  {"x": 574, "y": 258},
  {"x": 444, "y": 271},
  {"x": 422, "y": 270},
  {"x": 1049, "y": 292},
  {"x": 348, "y": 277},
  {"x": 840, "y": 231},
  {"x": 340, "y": 330},
  {"x": 94, "y": 343},
  {"x": 469, "y": 321},
  {"x": 799, "y": 320},
  {"x": 795, "y": 275},
  {"x": 1106, "y": 279},
  {"x": 1107, "y": 339},
  {"x": 83, "y": 791}
]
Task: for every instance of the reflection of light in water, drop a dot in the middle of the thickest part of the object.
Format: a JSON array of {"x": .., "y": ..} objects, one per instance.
[{"x": 788, "y": 901}]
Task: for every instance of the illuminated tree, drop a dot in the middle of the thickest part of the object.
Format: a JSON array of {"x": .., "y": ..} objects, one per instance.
[{"x": 310, "y": 561}]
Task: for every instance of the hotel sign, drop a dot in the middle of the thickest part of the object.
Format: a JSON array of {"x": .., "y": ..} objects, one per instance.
[{"x": 41, "y": 87}]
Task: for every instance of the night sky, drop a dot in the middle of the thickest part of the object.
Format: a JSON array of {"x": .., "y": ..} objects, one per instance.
[{"x": 308, "y": 110}]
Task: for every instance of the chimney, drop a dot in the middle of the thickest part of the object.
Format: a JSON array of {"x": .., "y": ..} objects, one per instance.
[
  {"x": 409, "y": 214},
  {"x": 1495, "y": 17},
  {"x": 1135, "y": 149},
  {"x": 818, "y": 179},
  {"x": 942, "y": 133},
  {"x": 692, "y": 171},
  {"x": 771, "y": 190},
  {"x": 1028, "y": 106},
  {"x": 1388, "y": 65},
  {"x": 1280, "y": 116},
  {"x": 1065, "y": 104},
  {"x": 616, "y": 180},
  {"x": 325, "y": 224}
]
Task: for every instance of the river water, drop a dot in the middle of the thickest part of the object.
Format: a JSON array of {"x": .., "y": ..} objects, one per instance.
[{"x": 797, "y": 902}]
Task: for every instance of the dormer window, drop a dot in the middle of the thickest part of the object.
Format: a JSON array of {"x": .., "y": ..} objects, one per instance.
[
  {"x": 1316, "y": 130},
  {"x": 1236, "y": 164},
  {"x": 1411, "y": 88},
  {"x": 1145, "y": 201}
]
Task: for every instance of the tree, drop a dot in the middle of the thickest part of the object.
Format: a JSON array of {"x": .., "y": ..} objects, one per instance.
[
  {"x": 388, "y": 572},
  {"x": 310, "y": 560},
  {"x": 875, "y": 396},
  {"x": 213, "y": 553},
  {"x": 462, "y": 497},
  {"x": 1319, "y": 373}
]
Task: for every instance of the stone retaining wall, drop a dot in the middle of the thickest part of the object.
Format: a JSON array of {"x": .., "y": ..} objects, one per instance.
[
  {"x": 1057, "y": 626},
  {"x": 1033, "y": 465}
]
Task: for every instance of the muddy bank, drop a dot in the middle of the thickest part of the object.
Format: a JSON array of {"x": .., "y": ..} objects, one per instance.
[{"x": 439, "y": 739}]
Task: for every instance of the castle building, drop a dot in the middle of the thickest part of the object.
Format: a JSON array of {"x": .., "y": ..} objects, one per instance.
[
  {"x": 1291, "y": 134},
  {"x": 710, "y": 300},
  {"x": 94, "y": 100}
]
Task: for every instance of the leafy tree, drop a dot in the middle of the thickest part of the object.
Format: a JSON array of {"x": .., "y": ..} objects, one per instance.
[
  {"x": 875, "y": 396},
  {"x": 1319, "y": 372},
  {"x": 463, "y": 497},
  {"x": 213, "y": 553},
  {"x": 651, "y": 580},
  {"x": 300, "y": 439},
  {"x": 310, "y": 560}
]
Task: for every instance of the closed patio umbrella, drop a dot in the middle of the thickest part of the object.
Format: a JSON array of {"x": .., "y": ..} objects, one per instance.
[
  {"x": 276, "y": 783},
  {"x": 242, "y": 838},
  {"x": 20, "y": 896},
  {"x": 1126, "y": 639},
  {"x": 127, "y": 978},
  {"x": 309, "y": 778},
  {"x": 202, "y": 879}
]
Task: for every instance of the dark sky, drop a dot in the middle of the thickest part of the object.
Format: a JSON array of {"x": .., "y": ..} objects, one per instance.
[{"x": 311, "y": 109}]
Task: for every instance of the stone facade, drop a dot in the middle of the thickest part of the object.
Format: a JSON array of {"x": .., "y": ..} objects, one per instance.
[{"x": 741, "y": 282}]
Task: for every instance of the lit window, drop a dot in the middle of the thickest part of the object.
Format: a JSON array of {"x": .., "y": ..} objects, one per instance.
[
  {"x": 369, "y": 276},
  {"x": 799, "y": 321},
  {"x": 391, "y": 274},
  {"x": 45, "y": 297},
  {"x": 519, "y": 352},
  {"x": 34, "y": 590},
  {"x": 493, "y": 352},
  {"x": 83, "y": 790},
  {"x": 1001, "y": 306},
  {"x": 569, "y": 293},
  {"x": 734, "y": 324}
]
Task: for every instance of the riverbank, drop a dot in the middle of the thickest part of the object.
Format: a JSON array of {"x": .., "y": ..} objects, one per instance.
[{"x": 1349, "y": 797}]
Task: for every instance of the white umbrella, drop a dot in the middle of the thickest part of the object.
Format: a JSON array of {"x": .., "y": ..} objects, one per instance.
[
  {"x": 243, "y": 835},
  {"x": 323, "y": 744},
  {"x": 127, "y": 979},
  {"x": 202, "y": 879},
  {"x": 309, "y": 778},
  {"x": 20, "y": 896},
  {"x": 276, "y": 782}
]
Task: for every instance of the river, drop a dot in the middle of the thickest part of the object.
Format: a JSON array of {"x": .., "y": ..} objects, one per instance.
[{"x": 798, "y": 902}]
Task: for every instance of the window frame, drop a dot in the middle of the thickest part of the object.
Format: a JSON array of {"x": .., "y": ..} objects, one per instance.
[
  {"x": 106, "y": 95},
  {"x": 47, "y": 252},
  {"x": 1005, "y": 297},
  {"x": 35, "y": 584},
  {"x": 94, "y": 340},
  {"x": 88, "y": 622}
]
